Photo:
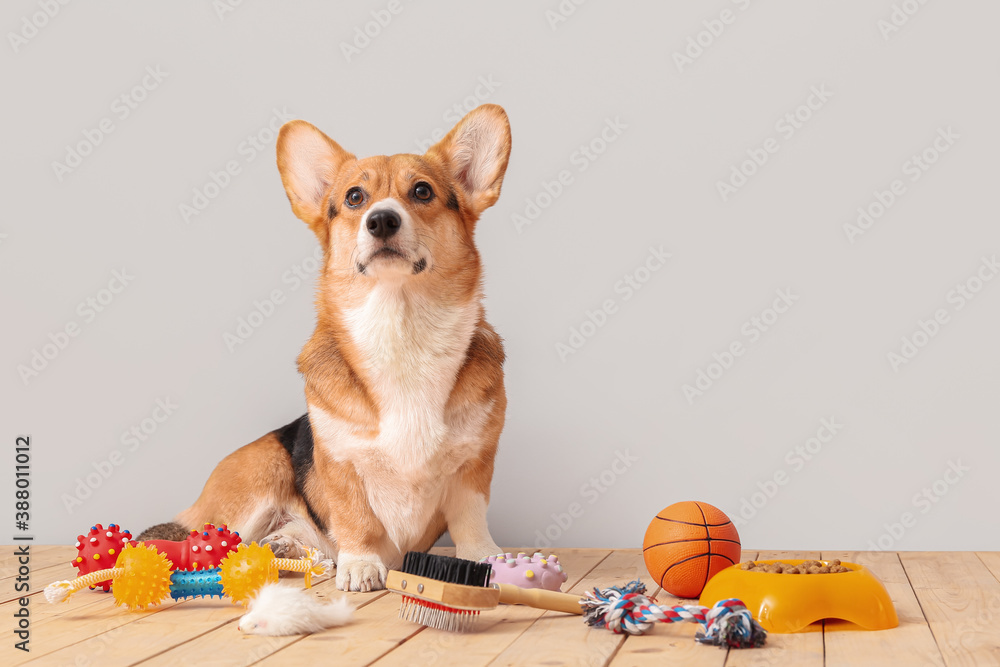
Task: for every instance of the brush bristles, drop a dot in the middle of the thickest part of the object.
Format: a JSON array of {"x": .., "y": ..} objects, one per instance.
[
  {"x": 447, "y": 569},
  {"x": 435, "y": 615}
]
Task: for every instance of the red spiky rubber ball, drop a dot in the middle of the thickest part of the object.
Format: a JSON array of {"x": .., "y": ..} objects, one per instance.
[{"x": 99, "y": 549}]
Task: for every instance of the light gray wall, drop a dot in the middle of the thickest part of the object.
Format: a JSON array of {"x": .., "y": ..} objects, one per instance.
[{"x": 678, "y": 129}]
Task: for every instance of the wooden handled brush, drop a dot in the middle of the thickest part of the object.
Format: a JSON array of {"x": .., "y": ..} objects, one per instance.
[{"x": 448, "y": 593}]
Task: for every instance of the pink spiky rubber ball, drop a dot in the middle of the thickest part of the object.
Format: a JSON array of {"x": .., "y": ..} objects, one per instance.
[{"x": 536, "y": 571}]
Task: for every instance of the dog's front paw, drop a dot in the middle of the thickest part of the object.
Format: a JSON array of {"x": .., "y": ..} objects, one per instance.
[
  {"x": 284, "y": 546},
  {"x": 362, "y": 574}
]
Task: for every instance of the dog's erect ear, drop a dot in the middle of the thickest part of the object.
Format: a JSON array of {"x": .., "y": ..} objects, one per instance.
[
  {"x": 308, "y": 160},
  {"x": 476, "y": 151}
]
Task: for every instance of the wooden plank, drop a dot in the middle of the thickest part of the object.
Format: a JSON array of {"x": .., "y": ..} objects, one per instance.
[
  {"x": 39, "y": 560},
  {"x": 225, "y": 645},
  {"x": 495, "y": 629},
  {"x": 565, "y": 639},
  {"x": 991, "y": 559},
  {"x": 41, "y": 609},
  {"x": 803, "y": 648},
  {"x": 960, "y": 598},
  {"x": 90, "y": 633},
  {"x": 9, "y": 559},
  {"x": 120, "y": 637},
  {"x": 53, "y": 565},
  {"x": 912, "y": 643},
  {"x": 41, "y": 613},
  {"x": 37, "y": 581},
  {"x": 959, "y": 594}
]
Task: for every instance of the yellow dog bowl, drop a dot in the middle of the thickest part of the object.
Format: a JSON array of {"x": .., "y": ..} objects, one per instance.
[{"x": 790, "y": 602}]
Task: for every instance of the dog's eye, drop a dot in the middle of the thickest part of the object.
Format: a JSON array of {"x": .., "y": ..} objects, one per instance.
[
  {"x": 422, "y": 191},
  {"x": 355, "y": 197}
]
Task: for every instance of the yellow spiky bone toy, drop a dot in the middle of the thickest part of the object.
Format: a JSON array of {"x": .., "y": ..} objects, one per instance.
[{"x": 142, "y": 576}]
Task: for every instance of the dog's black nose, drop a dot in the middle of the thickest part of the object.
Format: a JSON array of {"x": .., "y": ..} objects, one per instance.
[{"x": 383, "y": 223}]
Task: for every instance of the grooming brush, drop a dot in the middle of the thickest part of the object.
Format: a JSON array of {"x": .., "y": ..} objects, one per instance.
[{"x": 448, "y": 593}]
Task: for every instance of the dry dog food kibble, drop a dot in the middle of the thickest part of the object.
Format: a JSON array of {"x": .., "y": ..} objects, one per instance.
[{"x": 805, "y": 567}]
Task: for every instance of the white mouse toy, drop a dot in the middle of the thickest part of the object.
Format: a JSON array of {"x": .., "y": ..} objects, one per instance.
[{"x": 285, "y": 610}]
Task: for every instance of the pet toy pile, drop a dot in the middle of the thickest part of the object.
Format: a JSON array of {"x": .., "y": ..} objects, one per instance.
[
  {"x": 101, "y": 546},
  {"x": 626, "y": 609},
  {"x": 213, "y": 563},
  {"x": 686, "y": 549},
  {"x": 449, "y": 593}
]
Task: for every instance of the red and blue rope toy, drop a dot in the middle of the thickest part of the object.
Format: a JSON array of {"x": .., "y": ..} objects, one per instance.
[{"x": 627, "y": 610}]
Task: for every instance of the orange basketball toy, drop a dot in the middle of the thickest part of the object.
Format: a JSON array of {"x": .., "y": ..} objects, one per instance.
[{"x": 686, "y": 544}]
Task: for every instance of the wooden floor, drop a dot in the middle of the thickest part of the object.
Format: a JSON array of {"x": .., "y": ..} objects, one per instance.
[{"x": 948, "y": 605}]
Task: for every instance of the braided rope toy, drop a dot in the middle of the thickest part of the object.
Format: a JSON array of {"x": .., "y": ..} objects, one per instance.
[
  {"x": 627, "y": 610},
  {"x": 142, "y": 576}
]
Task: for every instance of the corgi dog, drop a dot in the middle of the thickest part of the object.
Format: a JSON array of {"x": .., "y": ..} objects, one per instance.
[{"x": 403, "y": 374}]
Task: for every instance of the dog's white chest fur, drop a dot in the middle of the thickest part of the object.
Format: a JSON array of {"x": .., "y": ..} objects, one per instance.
[{"x": 412, "y": 351}]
